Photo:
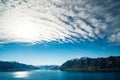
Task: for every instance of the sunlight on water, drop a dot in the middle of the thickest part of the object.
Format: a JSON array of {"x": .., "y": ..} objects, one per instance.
[{"x": 21, "y": 74}]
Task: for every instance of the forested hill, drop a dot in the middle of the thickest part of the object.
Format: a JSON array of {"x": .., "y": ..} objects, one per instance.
[
  {"x": 111, "y": 63},
  {"x": 15, "y": 66}
]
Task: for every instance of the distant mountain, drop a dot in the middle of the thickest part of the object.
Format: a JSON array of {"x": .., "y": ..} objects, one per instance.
[
  {"x": 111, "y": 63},
  {"x": 15, "y": 66},
  {"x": 49, "y": 67}
]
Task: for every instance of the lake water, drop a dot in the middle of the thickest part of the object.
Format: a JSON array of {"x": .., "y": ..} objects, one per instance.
[{"x": 58, "y": 75}]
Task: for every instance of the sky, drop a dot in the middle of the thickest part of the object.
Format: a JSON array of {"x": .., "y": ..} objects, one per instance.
[{"x": 44, "y": 32}]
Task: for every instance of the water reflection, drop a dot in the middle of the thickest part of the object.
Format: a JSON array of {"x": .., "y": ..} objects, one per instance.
[{"x": 22, "y": 74}]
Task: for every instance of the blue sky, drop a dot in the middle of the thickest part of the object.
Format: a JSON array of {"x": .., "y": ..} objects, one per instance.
[
  {"x": 54, "y": 53},
  {"x": 43, "y": 32}
]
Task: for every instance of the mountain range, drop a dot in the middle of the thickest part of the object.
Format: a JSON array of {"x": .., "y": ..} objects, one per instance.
[
  {"x": 49, "y": 67},
  {"x": 111, "y": 63},
  {"x": 15, "y": 66}
]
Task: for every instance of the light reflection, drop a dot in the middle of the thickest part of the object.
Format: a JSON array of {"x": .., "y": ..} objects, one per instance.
[{"x": 22, "y": 74}]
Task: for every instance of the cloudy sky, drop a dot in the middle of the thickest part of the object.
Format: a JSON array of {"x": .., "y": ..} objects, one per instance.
[{"x": 56, "y": 30}]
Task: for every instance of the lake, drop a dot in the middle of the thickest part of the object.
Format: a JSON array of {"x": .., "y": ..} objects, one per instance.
[{"x": 58, "y": 75}]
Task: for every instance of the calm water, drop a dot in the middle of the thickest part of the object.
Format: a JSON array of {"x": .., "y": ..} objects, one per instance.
[{"x": 58, "y": 75}]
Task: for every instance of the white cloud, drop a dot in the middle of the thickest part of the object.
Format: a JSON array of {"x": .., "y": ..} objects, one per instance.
[
  {"x": 115, "y": 37},
  {"x": 36, "y": 21}
]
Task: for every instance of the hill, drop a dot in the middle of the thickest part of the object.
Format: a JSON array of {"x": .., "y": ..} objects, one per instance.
[
  {"x": 111, "y": 63},
  {"x": 49, "y": 67},
  {"x": 15, "y": 66}
]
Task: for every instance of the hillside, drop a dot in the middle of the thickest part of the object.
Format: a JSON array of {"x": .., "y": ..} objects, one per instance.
[
  {"x": 15, "y": 66},
  {"x": 111, "y": 63},
  {"x": 49, "y": 67}
]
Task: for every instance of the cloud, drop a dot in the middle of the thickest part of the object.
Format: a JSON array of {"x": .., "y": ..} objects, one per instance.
[
  {"x": 63, "y": 21},
  {"x": 115, "y": 37}
]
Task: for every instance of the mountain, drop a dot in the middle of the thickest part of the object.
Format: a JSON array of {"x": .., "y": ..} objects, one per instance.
[
  {"x": 111, "y": 63},
  {"x": 49, "y": 67},
  {"x": 15, "y": 66}
]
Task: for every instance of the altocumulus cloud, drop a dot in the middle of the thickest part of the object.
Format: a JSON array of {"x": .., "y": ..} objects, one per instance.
[{"x": 63, "y": 21}]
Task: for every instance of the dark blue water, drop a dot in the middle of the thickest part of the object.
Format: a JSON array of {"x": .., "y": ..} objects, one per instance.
[{"x": 58, "y": 75}]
